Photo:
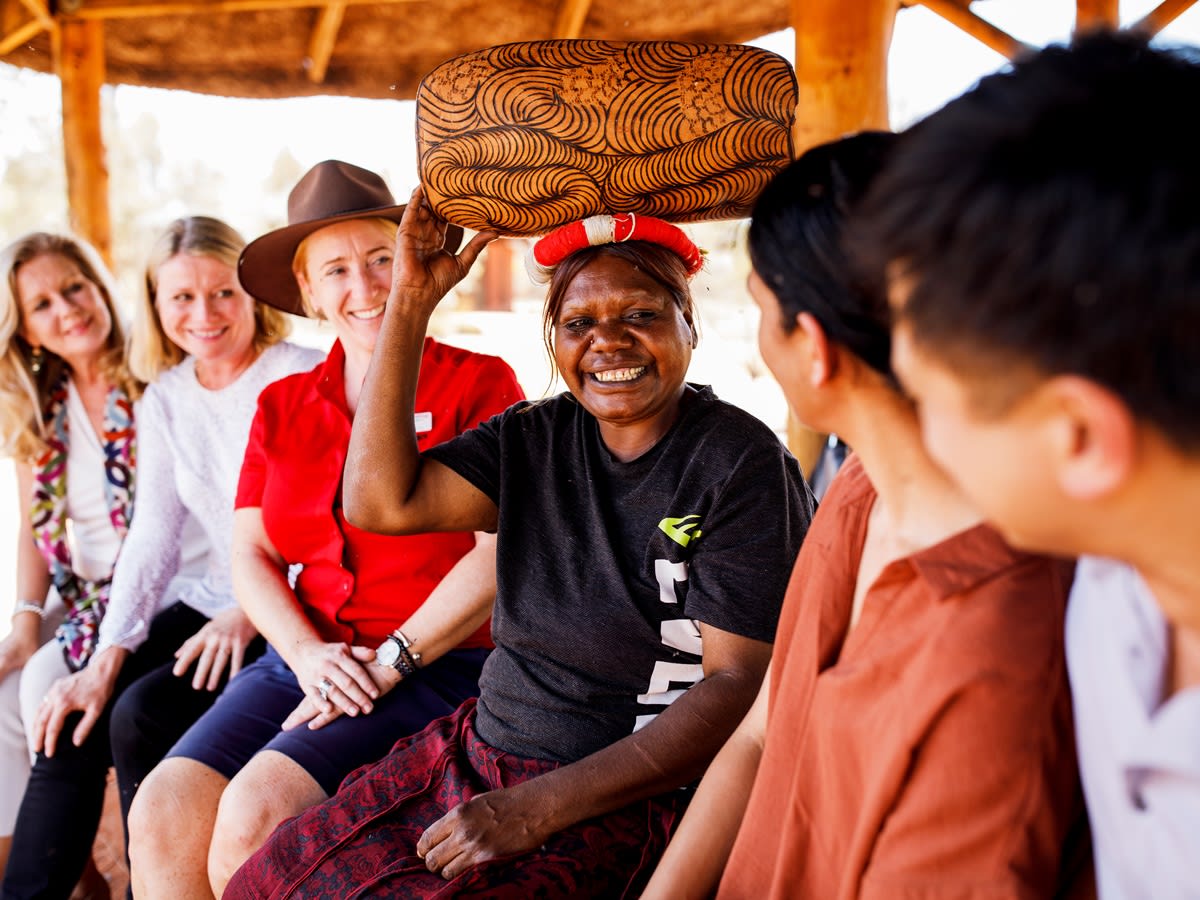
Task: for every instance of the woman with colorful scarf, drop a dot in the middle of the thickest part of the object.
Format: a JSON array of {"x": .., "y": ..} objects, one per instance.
[{"x": 66, "y": 417}]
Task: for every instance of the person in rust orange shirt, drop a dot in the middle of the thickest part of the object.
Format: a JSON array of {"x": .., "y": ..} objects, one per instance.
[{"x": 913, "y": 735}]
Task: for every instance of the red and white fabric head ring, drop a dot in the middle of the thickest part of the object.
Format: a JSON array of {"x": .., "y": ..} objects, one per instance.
[{"x": 552, "y": 249}]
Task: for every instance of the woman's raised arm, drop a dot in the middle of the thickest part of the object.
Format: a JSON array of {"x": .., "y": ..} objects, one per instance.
[{"x": 387, "y": 488}]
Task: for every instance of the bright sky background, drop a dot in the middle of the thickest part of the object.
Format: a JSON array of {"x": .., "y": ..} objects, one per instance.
[{"x": 931, "y": 62}]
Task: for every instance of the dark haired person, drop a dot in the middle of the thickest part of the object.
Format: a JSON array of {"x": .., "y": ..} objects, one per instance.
[
  {"x": 1042, "y": 234},
  {"x": 913, "y": 735},
  {"x": 644, "y": 534}
]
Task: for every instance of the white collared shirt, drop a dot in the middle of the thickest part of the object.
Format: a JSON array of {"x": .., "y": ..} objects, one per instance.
[{"x": 1139, "y": 758}]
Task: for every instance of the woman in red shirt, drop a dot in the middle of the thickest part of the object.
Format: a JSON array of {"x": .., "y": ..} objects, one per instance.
[{"x": 376, "y": 636}]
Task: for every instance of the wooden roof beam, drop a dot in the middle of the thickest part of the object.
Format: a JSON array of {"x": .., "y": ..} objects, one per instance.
[
  {"x": 320, "y": 45},
  {"x": 19, "y": 35},
  {"x": 1161, "y": 16},
  {"x": 133, "y": 9},
  {"x": 571, "y": 16},
  {"x": 1091, "y": 15},
  {"x": 40, "y": 12},
  {"x": 959, "y": 15},
  {"x": 26, "y": 31}
]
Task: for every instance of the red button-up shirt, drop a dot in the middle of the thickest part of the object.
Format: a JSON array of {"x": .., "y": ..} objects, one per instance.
[{"x": 357, "y": 586}]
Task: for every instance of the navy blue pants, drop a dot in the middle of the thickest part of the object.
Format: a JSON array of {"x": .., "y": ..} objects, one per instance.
[
  {"x": 247, "y": 717},
  {"x": 149, "y": 710}
]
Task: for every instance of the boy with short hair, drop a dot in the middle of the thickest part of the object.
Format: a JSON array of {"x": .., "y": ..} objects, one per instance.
[{"x": 1041, "y": 238}]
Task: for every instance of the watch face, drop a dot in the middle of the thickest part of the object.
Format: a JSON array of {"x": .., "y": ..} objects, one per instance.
[{"x": 387, "y": 653}]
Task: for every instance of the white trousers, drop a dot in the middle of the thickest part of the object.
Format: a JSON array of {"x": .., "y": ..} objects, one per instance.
[{"x": 20, "y": 694}]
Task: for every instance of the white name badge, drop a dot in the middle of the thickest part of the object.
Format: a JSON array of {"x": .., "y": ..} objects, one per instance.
[{"x": 423, "y": 422}]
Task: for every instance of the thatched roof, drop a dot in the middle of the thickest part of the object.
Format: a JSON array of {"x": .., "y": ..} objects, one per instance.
[{"x": 376, "y": 50}]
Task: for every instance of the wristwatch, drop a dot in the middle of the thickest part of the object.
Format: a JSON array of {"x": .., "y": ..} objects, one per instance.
[{"x": 395, "y": 652}]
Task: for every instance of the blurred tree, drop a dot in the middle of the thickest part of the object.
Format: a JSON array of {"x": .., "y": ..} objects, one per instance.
[
  {"x": 33, "y": 193},
  {"x": 285, "y": 172}
]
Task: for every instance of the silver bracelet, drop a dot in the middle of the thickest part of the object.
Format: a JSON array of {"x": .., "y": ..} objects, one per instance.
[
  {"x": 29, "y": 606},
  {"x": 405, "y": 648}
]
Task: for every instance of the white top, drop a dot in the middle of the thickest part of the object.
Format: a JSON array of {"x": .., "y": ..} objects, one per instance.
[
  {"x": 1138, "y": 756},
  {"x": 191, "y": 441},
  {"x": 91, "y": 538}
]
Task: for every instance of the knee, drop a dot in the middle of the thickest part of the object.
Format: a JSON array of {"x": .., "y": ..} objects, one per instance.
[
  {"x": 148, "y": 810},
  {"x": 165, "y": 812},
  {"x": 245, "y": 819}
]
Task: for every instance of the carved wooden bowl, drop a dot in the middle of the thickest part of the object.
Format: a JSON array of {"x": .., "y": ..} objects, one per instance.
[{"x": 522, "y": 138}]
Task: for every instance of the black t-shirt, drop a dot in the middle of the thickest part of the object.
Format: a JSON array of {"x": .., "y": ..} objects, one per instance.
[{"x": 605, "y": 567}]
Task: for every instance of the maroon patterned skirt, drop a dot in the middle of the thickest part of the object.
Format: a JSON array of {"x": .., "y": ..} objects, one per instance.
[{"x": 362, "y": 842}]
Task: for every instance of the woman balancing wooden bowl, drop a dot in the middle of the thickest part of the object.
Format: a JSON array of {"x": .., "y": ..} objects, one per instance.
[{"x": 645, "y": 530}]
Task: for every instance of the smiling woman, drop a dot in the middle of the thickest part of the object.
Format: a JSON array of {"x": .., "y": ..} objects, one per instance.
[
  {"x": 164, "y": 618},
  {"x": 622, "y": 328},
  {"x": 644, "y": 532},
  {"x": 66, "y": 416},
  {"x": 345, "y": 271},
  {"x": 334, "y": 259},
  {"x": 49, "y": 284},
  {"x": 204, "y": 310}
]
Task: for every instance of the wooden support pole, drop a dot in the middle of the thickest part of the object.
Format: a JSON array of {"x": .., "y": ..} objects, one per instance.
[
  {"x": 1161, "y": 16},
  {"x": 497, "y": 282},
  {"x": 320, "y": 45},
  {"x": 805, "y": 444},
  {"x": 571, "y": 16},
  {"x": 841, "y": 71},
  {"x": 79, "y": 61},
  {"x": 1091, "y": 15},
  {"x": 979, "y": 28},
  {"x": 841, "y": 67}
]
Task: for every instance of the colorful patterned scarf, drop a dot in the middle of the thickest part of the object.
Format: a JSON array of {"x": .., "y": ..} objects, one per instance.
[{"x": 84, "y": 599}]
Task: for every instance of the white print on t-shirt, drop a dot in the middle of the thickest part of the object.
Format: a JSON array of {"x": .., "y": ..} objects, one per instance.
[
  {"x": 422, "y": 422},
  {"x": 679, "y": 634}
]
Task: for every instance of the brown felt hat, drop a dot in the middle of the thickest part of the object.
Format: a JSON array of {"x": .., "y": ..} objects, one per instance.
[{"x": 331, "y": 191}]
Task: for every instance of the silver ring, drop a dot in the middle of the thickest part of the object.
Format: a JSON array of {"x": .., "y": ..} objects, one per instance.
[{"x": 324, "y": 686}]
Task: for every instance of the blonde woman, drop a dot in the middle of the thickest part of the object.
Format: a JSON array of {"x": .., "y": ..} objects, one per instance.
[
  {"x": 422, "y": 602},
  {"x": 66, "y": 417},
  {"x": 166, "y": 646}
]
